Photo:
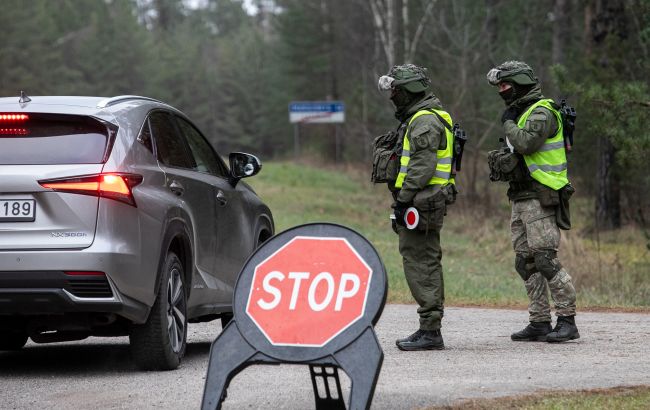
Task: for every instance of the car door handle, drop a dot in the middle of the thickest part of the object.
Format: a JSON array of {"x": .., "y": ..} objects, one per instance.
[
  {"x": 176, "y": 188},
  {"x": 221, "y": 198}
]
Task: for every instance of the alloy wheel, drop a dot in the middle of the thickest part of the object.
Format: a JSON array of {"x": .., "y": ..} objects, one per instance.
[{"x": 176, "y": 308}]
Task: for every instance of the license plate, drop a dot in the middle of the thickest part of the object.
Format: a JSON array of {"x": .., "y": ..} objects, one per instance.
[{"x": 17, "y": 210}]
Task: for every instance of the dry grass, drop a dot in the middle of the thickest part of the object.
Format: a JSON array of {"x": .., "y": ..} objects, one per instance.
[
  {"x": 622, "y": 398},
  {"x": 610, "y": 269}
]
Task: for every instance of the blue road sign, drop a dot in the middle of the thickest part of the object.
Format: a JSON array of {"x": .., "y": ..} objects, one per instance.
[{"x": 316, "y": 111}]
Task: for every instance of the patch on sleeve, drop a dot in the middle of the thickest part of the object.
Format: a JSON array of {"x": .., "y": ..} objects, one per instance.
[
  {"x": 536, "y": 122},
  {"x": 420, "y": 138}
]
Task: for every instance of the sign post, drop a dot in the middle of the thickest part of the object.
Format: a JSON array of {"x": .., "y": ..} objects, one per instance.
[
  {"x": 316, "y": 112},
  {"x": 310, "y": 295}
]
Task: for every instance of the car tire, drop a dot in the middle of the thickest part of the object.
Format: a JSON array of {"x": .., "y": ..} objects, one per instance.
[
  {"x": 159, "y": 343},
  {"x": 12, "y": 340}
]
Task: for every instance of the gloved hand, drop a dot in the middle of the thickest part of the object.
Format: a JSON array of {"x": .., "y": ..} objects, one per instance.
[
  {"x": 393, "y": 224},
  {"x": 399, "y": 209},
  {"x": 509, "y": 114}
]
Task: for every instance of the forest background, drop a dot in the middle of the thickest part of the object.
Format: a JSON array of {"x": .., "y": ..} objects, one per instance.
[{"x": 234, "y": 66}]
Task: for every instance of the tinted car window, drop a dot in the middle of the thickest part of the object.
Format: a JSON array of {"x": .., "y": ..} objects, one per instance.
[
  {"x": 43, "y": 139},
  {"x": 170, "y": 148},
  {"x": 206, "y": 160},
  {"x": 145, "y": 136}
]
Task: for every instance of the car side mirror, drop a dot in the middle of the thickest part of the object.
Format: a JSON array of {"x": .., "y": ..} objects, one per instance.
[{"x": 243, "y": 165}]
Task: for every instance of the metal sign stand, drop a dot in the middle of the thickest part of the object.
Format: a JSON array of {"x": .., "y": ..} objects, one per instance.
[
  {"x": 355, "y": 350},
  {"x": 296, "y": 140}
]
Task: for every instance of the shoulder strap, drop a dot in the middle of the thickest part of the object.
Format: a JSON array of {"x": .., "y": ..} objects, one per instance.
[{"x": 442, "y": 120}]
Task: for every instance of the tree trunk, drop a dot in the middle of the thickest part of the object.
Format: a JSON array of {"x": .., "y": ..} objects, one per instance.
[
  {"x": 560, "y": 31},
  {"x": 607, "y": 19},
  {"x": 333, "y": 91},
  {"x": 492, "y": 30},
  {"x": 406, "y": 36},
  {"x": 608, "y": 209}
]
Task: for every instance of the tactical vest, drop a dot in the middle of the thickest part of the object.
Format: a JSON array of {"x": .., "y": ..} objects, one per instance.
[
  {"x": 548, "y": 165},
  {"x": 443, "y": 166}
]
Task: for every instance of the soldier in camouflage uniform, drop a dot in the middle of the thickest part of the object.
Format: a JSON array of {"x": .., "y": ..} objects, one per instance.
[
  {"x": 424, "y": 174},
  {"x": 536, "y": 168}
]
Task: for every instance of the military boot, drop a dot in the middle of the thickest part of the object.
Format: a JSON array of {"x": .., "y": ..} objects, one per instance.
[
  {"x": 534, "y": 332},
  {"x": 410, "y": 338},
  {"x": 422, "y": 340},
  {"x": 565, "y": 329}
]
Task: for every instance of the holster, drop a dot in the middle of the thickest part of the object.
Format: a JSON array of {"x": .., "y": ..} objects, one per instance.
[
  {"x": 450, "y": 193},
  {"x": 562, "y": 214}
]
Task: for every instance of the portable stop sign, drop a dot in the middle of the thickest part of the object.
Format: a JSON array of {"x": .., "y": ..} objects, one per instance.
[
  {"x": 411, "y": 218},
  {"x": 309, "y": 295}
]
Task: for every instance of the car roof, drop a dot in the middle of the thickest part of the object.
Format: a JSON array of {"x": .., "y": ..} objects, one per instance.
[{"x": 102, "y": 107}]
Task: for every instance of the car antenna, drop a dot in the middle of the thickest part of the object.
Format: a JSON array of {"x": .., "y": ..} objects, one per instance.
[{"x": 24, "y": 98}]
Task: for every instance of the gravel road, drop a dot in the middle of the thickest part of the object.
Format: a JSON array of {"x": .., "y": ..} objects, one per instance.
[{"x": 480, "y": 361}]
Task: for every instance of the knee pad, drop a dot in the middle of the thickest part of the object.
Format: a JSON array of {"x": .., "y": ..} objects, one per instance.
[
  {"x": 525, "y": 266},
  {"x": 547, "y": 263}
]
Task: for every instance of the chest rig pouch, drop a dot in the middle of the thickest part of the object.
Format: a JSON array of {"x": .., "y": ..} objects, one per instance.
[
  {"x": 386, "y": 151},
  {"x": 505, "y": 165}
]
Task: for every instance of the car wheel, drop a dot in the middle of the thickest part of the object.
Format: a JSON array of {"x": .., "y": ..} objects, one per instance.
[
  {"x": 12, "y": 340},
  {"x": 159, "y": 344}
]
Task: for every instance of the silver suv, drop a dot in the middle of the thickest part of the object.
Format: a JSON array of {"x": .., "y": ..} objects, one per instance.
[{"x": 118, "y": 218}]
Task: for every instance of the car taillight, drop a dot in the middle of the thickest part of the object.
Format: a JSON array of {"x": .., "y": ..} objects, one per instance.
[
  {"x": 113, "y": 186},
  {"x": 13, "y": 131},
  {"x": 13, "y": 118},
  {"x": 11, "y": 124}
]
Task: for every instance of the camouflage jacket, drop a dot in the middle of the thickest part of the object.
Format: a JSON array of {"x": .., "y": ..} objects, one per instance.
[
  {"x": 540, "y": 125},
  {"x": 430, "y": 135}
]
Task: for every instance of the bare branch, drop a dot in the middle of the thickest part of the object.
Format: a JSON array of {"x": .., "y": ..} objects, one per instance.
[
  {"x": 390, "y": 27},
  {"x": 485, "y": 135},
  {"x": 418, "y": 32}
]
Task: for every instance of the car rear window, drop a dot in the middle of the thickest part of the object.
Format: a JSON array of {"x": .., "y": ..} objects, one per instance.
[{"x": 44, "y": 139}]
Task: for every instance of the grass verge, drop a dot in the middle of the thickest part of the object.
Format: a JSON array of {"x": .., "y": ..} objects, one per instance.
[{"x": 621, "y": 398}]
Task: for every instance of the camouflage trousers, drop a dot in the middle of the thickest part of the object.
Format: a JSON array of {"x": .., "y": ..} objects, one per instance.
[{"x": 534, "y": 230}]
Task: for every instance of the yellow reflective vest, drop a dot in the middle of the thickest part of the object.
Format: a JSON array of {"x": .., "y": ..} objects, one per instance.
[
  {"x": 442, "y": 175},
  {"x": 548, "y": 165}
]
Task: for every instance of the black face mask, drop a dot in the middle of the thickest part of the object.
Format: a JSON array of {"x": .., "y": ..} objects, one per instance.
[
  {"x": 400, "y": 98},
  {"x": 508, "y": 95},
  {"x": 515, "y": 92}
]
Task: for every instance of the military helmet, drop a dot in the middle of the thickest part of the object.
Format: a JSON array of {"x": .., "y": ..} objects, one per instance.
[
  {"x": 516, "y": 72},
  {"x": 413, "y": 78}
]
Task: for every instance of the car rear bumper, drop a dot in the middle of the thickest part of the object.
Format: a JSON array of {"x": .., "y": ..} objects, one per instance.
[{"x": 55, "y": 292}]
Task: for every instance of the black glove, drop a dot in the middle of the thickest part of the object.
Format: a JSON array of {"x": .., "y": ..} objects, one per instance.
[
  {"x": 399, "y": 210},
  {"x": 509, "y": 114}
]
